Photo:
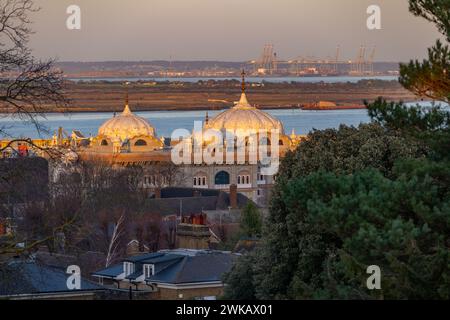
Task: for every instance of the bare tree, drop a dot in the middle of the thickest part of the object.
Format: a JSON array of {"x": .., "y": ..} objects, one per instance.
[
  {"x": 28, "y": 86},
  {"x": 166, "y": 174},
  {"x": 33, "y": 216},
  {"x": 115, "y": 241}
]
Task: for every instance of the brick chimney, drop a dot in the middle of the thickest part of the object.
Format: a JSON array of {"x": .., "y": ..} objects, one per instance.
[
  {"x": 233, "y": 196},
  {"x": 193, "y": 233}
]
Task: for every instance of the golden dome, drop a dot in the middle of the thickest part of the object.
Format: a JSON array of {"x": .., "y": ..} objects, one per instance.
[
  {"x": 244, "y": 116},
  {"x": 126, "y": 126}
]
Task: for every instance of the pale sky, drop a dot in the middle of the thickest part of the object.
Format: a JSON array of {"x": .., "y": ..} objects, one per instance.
[{"x": 227, "y": 30}]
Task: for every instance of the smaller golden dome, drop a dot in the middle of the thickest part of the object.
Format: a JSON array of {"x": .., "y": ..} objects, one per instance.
[{"x": 126, "y": 126}]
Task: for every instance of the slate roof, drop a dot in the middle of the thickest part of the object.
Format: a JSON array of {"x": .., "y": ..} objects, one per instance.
[
  {"x": 175, "y": 200},
  {"x": 174, "y": 192},
  {"x": 143, "y": 257},
  {"x": 179, "y": 266},
  {"x": 207, "y": 267},
  {"x": 111, "y": 272},
  {"x": 28, "y": 277},
  {"x": 185, "y": 206}
]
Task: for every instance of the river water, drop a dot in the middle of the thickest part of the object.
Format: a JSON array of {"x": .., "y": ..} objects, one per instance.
[{"x": 165, "y": 122}]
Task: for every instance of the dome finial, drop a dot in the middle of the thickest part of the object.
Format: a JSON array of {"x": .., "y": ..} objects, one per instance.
[
  {"x": 206, "y": 118},
  {"x": 126, "y": 110},
  {"x": 126, "y": 93},
  {"x": 243, "y": 81},
  {"x": 293, "y": 135}
]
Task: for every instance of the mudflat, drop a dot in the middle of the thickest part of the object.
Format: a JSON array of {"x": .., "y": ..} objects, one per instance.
[{"x": 96, "y": 96}]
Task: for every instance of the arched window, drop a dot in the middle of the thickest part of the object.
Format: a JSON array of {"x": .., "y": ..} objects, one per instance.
[
  {"x": 222, "y": 177},
  {"x": 104, "y": 142},
  {"x": 140, "y": 142},
  {"x": 280, "y": 142}
]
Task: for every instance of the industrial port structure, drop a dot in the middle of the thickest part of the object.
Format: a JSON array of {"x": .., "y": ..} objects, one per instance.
[{"x": 269, "y": 64}]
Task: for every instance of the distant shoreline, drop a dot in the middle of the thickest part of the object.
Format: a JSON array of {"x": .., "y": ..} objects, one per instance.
[
  {"x": 101, "y": 96},
  {"x": 250, "y": 79}
]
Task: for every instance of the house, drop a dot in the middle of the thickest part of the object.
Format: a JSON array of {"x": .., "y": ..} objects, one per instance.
[{"x": 171, "y": 274}]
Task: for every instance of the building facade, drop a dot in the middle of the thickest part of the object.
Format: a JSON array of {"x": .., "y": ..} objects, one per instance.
[
  {"x": 211, "y": 160},
  {"x": 128, "y": 139}
]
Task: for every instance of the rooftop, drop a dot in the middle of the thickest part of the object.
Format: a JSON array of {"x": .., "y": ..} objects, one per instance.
[{"x": 179, "y": 266}]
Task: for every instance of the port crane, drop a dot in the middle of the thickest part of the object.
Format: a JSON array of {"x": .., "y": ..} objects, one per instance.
[{"x": 269, "y": 63}]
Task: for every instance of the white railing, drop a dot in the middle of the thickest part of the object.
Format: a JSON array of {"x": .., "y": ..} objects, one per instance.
[
  {"x": 201, "y": 187},
  {"x": 222, "y": 186}
]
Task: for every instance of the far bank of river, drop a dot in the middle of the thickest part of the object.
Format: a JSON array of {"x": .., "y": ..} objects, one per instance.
[{"x": 313, "y": 79}]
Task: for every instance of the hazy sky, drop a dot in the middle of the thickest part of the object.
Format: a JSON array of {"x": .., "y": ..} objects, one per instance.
[{"x": 230, "y": 30}]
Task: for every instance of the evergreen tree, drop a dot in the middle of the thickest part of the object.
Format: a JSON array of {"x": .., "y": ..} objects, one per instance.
[
  {"x": 374, "y": 195},
  {"x": 431, "y": 78},
  {"x": 251, "y": 221}
]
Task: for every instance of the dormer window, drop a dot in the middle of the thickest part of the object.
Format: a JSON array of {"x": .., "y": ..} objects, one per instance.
[
  {"x": 149, "y": 270},
  {"x": 128, "y": 268}
]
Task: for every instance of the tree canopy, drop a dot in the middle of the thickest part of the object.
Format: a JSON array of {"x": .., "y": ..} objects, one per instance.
[
  {"x": 430, "y": 78},
  {"x": 351, "y": 198}
]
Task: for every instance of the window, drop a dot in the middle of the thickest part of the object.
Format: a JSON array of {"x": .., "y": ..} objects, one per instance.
[
  {"x": 222, "y": 178},
  {"x": 149, "y": 270},
  {"x": 280, "y": 142},
  {"x": 128, "y": 268},
  {"x": 200, "y": 181},
  {"x": 104, "y": 142},
  {"x": 140, "y": 142},
  {"x": 243, "y": 179}
]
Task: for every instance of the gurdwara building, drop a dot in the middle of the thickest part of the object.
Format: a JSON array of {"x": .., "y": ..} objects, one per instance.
[{"x": 240, "y": 147}]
